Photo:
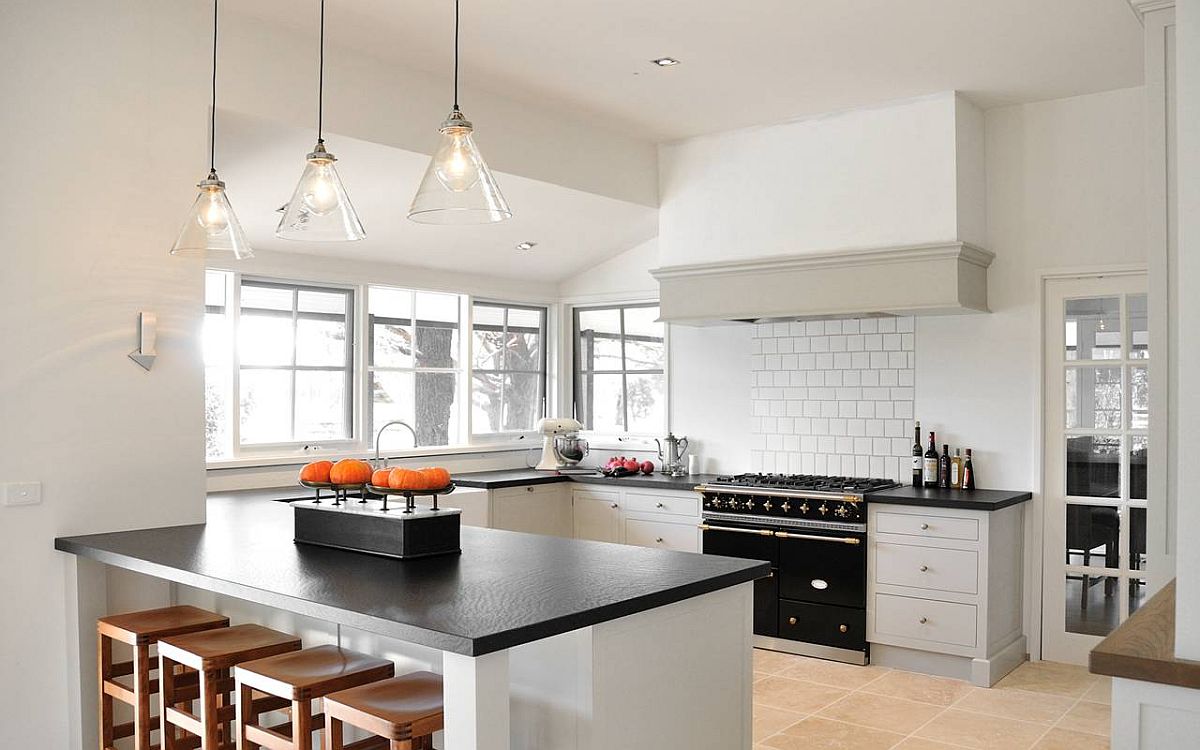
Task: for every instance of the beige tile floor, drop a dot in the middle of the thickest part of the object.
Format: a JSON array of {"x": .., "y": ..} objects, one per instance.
[{"x": 813, "y": 704}]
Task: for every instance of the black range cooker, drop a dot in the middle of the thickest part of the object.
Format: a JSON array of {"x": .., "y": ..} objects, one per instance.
[{"x": 813, "y": 531}]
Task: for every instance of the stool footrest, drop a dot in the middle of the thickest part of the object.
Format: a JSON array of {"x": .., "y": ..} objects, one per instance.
[
  {"x": 278, "y": 737},
  {"x": 370, "y": 743}
]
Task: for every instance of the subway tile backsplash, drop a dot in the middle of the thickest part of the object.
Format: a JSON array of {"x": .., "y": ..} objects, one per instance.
[{"x": 833, "y": 397}]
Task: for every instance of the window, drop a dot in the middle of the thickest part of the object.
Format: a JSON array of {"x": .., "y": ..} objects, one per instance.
[
  {"x": 293, "y": 382},
  {"x": 508, "y": 369},
  {"x": 414, "y": 365},
  {"x": 620, "y": 381}
]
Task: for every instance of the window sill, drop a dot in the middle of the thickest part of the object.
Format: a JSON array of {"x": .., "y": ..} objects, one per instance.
[{"x": 296, "y": 459}]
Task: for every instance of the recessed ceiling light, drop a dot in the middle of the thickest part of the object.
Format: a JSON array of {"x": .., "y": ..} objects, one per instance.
[
  {"x": 526, "y": 246},
  {"x": 665, "y": 62}
]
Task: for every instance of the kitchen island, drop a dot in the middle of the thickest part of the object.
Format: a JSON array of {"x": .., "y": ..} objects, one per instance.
[{"x": 581, "y": 644}]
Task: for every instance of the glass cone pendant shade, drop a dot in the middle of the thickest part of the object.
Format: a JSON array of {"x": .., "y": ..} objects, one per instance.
[
  {"x": 211, "y": 225},
  {"x": 320, "y": 209},
  {"x": 458, "y": 187}
]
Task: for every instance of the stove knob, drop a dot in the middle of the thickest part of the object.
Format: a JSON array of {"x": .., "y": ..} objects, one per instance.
[
  {"x": 804, "y": 508},
  {"x": 842, "y": 511},
  {"x": 786, "y": 506},
  {"x": 749, "y": 504},
  {"x": 823, "y": 509},
  {"x": 767, "y": 506},
  {"x": 718, "y": 503}
]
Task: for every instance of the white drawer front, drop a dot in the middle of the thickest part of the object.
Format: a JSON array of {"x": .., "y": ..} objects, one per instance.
[
  {"x": 927, "y": 567},
  {"x": 683, "y": 537},
  {"x": 938, "y": 527},
  {"x": 926, "y": 620},
  {"x": 679, "y": 504},
  {"x": 595, "y": 494}
]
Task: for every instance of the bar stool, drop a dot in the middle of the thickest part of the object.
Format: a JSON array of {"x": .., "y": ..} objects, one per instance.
[
  {"x": 139, "y": 630},
  {"x": 405, "y": 710},
  {"x": 212, "y": 654},
  {"x": 299, "y": 677}
]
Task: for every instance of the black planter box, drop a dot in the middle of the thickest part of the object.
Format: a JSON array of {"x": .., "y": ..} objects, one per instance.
[{"x": 366, "y": 527}]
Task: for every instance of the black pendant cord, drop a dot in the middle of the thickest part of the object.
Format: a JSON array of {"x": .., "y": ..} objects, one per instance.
[
  {"x": 321, "y": 81},
  {"x": 455, "y": 55},
  {"x": 212, "y": 125}
]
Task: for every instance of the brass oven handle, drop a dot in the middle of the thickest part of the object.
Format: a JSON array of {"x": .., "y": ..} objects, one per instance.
[
  {"x": 818, "y": 537},
  {"x": 757, "y": 532}
]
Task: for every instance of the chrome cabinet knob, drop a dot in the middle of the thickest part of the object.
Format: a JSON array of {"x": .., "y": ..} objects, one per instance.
[
  {"x": 659, "y": 505},
  {"x": 659, "y": 540},
  {"x": 924, "y": 527},
  {"x": 529, "y": 488},
  {"x": 791, "y": 621},
  {"x": 615, "y": 506},
  {"x": 923, "y": 620},
  {"x": 924, "y": 568}
]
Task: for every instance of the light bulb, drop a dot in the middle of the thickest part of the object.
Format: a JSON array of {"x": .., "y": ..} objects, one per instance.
[
  {"x": 318, "y": 193},
  {"x": 212, "y": 215},
  {"x": 455, "y": 163}
]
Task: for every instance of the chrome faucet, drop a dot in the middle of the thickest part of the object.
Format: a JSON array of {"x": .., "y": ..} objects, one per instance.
[{"x": 379, "y": 435}]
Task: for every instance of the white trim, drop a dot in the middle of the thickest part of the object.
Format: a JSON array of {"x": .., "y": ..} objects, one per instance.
[
  {"x": 297, "y": 459},
  {"x": 1141, "y": 7}
]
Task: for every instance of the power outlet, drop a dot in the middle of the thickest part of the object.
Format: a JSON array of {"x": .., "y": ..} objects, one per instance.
[{"x": 22, "y": 493}]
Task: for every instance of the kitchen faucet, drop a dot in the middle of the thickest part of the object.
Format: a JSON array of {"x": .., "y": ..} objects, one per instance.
[{"x": 379, "y": 435}]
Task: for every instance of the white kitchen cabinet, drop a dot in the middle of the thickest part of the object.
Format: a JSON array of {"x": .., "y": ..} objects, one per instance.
[
  {"x": 533, "y": 508},
  {"x": 944, "y": 590},
  {"x": 662, "y": 519},
  {"x": 597, "y": 514}
]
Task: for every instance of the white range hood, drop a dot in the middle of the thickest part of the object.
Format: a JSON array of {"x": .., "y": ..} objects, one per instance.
[{"x": 931, "y": 279}]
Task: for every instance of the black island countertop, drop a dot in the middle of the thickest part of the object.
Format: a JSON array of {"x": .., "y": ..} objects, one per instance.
[
  {"x": 934, "y": 497},
  {"x": 505, "y": 589}
]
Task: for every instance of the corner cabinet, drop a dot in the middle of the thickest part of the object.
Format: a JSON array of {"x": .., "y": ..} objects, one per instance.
[
  {"x": 944, "y": 590},
  {"x": 532, "y": 508},
  {"x": 663, "y": 519}
]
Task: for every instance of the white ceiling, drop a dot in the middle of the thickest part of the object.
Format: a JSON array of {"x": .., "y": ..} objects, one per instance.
[
  {"x": 262, "y": 160},
  {"x": 743, "y": 63}
]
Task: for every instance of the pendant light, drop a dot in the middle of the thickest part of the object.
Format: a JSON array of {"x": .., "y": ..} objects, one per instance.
[
  {"x": 458, "y": 188},
  {"x": 320, "y": 209},
  {"x": 211, "y": 226}
]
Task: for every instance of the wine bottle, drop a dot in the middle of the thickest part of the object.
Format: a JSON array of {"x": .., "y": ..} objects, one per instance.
[
  {"x": 968, "y": 472},
  {"x": 944, "y": 467},
  {"x": 918, "y": 468},
  {"x": 956, "y": 464},
  {"x": 930, "y": 464}
]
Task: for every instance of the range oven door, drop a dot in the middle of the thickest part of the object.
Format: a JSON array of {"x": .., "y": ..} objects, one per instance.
[
  {"x": 823, "y": 567},
  {"x": 732, "y": 540}
]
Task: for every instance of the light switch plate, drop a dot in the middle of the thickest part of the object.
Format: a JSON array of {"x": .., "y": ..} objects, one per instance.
[{"x": 22, "y": 493}]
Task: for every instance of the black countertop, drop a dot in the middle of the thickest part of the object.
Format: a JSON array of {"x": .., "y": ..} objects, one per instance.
[
  {"x": 505, "y": 589},
  {"x": 493, "y": 480},
  {"x": 939, "y": 498}
]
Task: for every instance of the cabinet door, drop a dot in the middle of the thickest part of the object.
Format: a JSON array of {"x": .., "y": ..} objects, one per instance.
[
  {"x": 597, "y": 518},
  {"x": 534, "y": 509}
]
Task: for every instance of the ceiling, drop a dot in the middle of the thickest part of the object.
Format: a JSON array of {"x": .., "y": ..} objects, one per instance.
[
  {"x": 262, "y": 161},
  {"x": 743, "y": 63}
]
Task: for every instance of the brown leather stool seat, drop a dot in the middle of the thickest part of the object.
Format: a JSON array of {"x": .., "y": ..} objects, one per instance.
[
  {"x": 141, "y": 630},
  {"x": 300, "y": 677},
  {"x": 405, "y": 710},
  {"x": 211, "y": 654}
]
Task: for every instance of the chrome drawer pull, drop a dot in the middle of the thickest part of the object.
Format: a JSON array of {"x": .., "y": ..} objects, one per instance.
[
  {"x": 659, "y": 540},
  {"x": 818, "y": 537},
  {"x": 923, "y": 620},
  {"x": 924, "y": 527},
  {"x": 924, "y": 568},
  {"x": 757, "y": 532},
  {"x": 659, "y": 505}
]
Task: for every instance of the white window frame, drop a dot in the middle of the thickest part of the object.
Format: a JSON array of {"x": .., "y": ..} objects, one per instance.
[{"x": 484, "y": 438}]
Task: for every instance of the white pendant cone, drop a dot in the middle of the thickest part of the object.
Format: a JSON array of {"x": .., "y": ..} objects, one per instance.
[
  {"x": 211, "y": 226},
  {"x": 320, "y": 208},
  {"x": 458, "y": 187}
]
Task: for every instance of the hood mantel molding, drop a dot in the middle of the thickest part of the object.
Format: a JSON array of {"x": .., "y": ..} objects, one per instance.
[{"x": 934, "y": 278}]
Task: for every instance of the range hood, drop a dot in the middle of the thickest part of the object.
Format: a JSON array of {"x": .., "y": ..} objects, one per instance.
[{"x": 933, "y": 279}]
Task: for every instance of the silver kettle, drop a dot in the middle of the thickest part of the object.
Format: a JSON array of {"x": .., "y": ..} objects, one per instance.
[{"x": 672, "y": 459}]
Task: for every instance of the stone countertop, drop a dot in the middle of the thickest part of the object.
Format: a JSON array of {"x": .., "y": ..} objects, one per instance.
[
  {"x": 941, "y": 498},
  {"x": 505, "y": 589},
  {"x": 517, "y": 477}
]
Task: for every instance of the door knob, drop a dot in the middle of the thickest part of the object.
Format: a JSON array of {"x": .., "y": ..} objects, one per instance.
[{"x": 791, "y": 621}]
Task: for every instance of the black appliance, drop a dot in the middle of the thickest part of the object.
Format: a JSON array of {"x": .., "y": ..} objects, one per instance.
[{"x": 813, "y": 531}]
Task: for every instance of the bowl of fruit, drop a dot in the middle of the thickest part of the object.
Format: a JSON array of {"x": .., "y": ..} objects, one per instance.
[{"x": 620, "y": 466}]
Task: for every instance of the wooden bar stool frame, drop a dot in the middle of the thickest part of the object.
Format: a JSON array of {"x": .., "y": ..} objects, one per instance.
[{"x": 411, "y": 732}]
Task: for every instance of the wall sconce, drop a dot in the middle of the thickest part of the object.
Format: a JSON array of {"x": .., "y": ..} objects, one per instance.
[{"x": 145, "y": 355}]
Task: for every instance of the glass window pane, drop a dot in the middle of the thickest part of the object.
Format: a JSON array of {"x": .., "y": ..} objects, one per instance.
[
  {"x": 265, "y": 339},
  {"x": 1137, "y": 594},
  {"x": 598, "y": 340},
  {"x": 332, "y": 303},
  {"x": 321, "y": 405},
  {"x": 1093, "y": 534},
  {"x": 266, "y": 406},
  {"x": 487, "y": 402},
  {"x": 218, "y": 412},
  {"x": 437, "y": 408},
  {"x": 646, "y": 401},
  {"x": 1139, "y": 329},
  {"x": 390, "y": 303},
  {"x": 523, "y": 351},
  {"x": 487, "y": 350},
  {"x": 1093, "y": 328},
  {"x": 643, "y": 354},
  {"x": 259, "y": 297},
  {"x": 437, "y": 344},
  {"x": 217, "y": 338},
  {"x": 1094, "y": 465},
  {"x": 1093, "y": 398},
  {"x": 522, "y": 319},
  {"x": 601, "y": 403},
  {"x": 522, "y": 401},
  {"x": 214, "y": 288},
  {"x": 1092, "y": 604},
  {"x": 1137, "y": 538},
  {"x": 1138, "y": 457},
  {"x": 643, "y": 321},
  {"x": 321, "y": 343},
  {"x": 391, "y": 345},
  {"x": 392, "y": 398},
  {"x": 1139, "y": 398},
  {"x": 490, "y": 316}
]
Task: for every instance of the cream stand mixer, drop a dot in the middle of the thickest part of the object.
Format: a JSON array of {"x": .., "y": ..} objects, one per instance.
[{"x": 562, "y": 448}]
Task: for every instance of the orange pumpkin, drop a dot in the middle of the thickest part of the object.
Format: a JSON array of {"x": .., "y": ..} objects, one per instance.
[
  {"x": 435, "y": 477},
  {"x": 350, "y": 471},
  {"x": 317, "y": 471},
  {"x": 379, "y": 477},
  {"x": 406, "y": 479}
]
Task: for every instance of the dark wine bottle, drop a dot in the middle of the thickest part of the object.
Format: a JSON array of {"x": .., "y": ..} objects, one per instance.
[
  {"x": 968, "y": 472},
  {"x": 918, "y": 469},
  {"x": 930, "y": 464},
  {"x": 944, "y": 467}
]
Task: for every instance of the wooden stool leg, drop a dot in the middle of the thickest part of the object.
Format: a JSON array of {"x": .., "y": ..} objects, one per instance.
[
  {"x": 227, "y": 726},
  {"x": 141, "y": 697},
  {"x": 333, "y": 734},
  {"x": 245, "y": 715},
  {"x": 302, "y": 728},
  {"x": 166, "y": 697},
  {"x": 208, "y": 710},
  {"x": 104, "y": 669}
]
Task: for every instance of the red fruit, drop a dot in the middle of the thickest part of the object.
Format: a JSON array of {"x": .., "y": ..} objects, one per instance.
[
  {"x": 631, "y": 465},
  {"x": 647, "y": 467}
]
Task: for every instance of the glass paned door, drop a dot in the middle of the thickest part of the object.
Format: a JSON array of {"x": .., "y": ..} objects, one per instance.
[{"x": 1097, "y": 368}]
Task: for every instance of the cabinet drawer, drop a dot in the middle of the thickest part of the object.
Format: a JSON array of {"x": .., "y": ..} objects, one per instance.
[
  {"x": 683, "y": 537},
  {"x": 681, "y": 504},
  {"x": 927, "y": 567},
  {"x": 926, "y": 619},
  {"x": 938, "y": 527},
  {"x": 527, "y": 490}
]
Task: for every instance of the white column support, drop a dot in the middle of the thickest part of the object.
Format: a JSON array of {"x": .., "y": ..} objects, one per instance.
[
  {"x": 86, "y": 595},
  {"x": 476, "y": 697}
]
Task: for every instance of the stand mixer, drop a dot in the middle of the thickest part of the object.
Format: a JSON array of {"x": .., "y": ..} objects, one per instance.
[{"x": 562, "y": 448}]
